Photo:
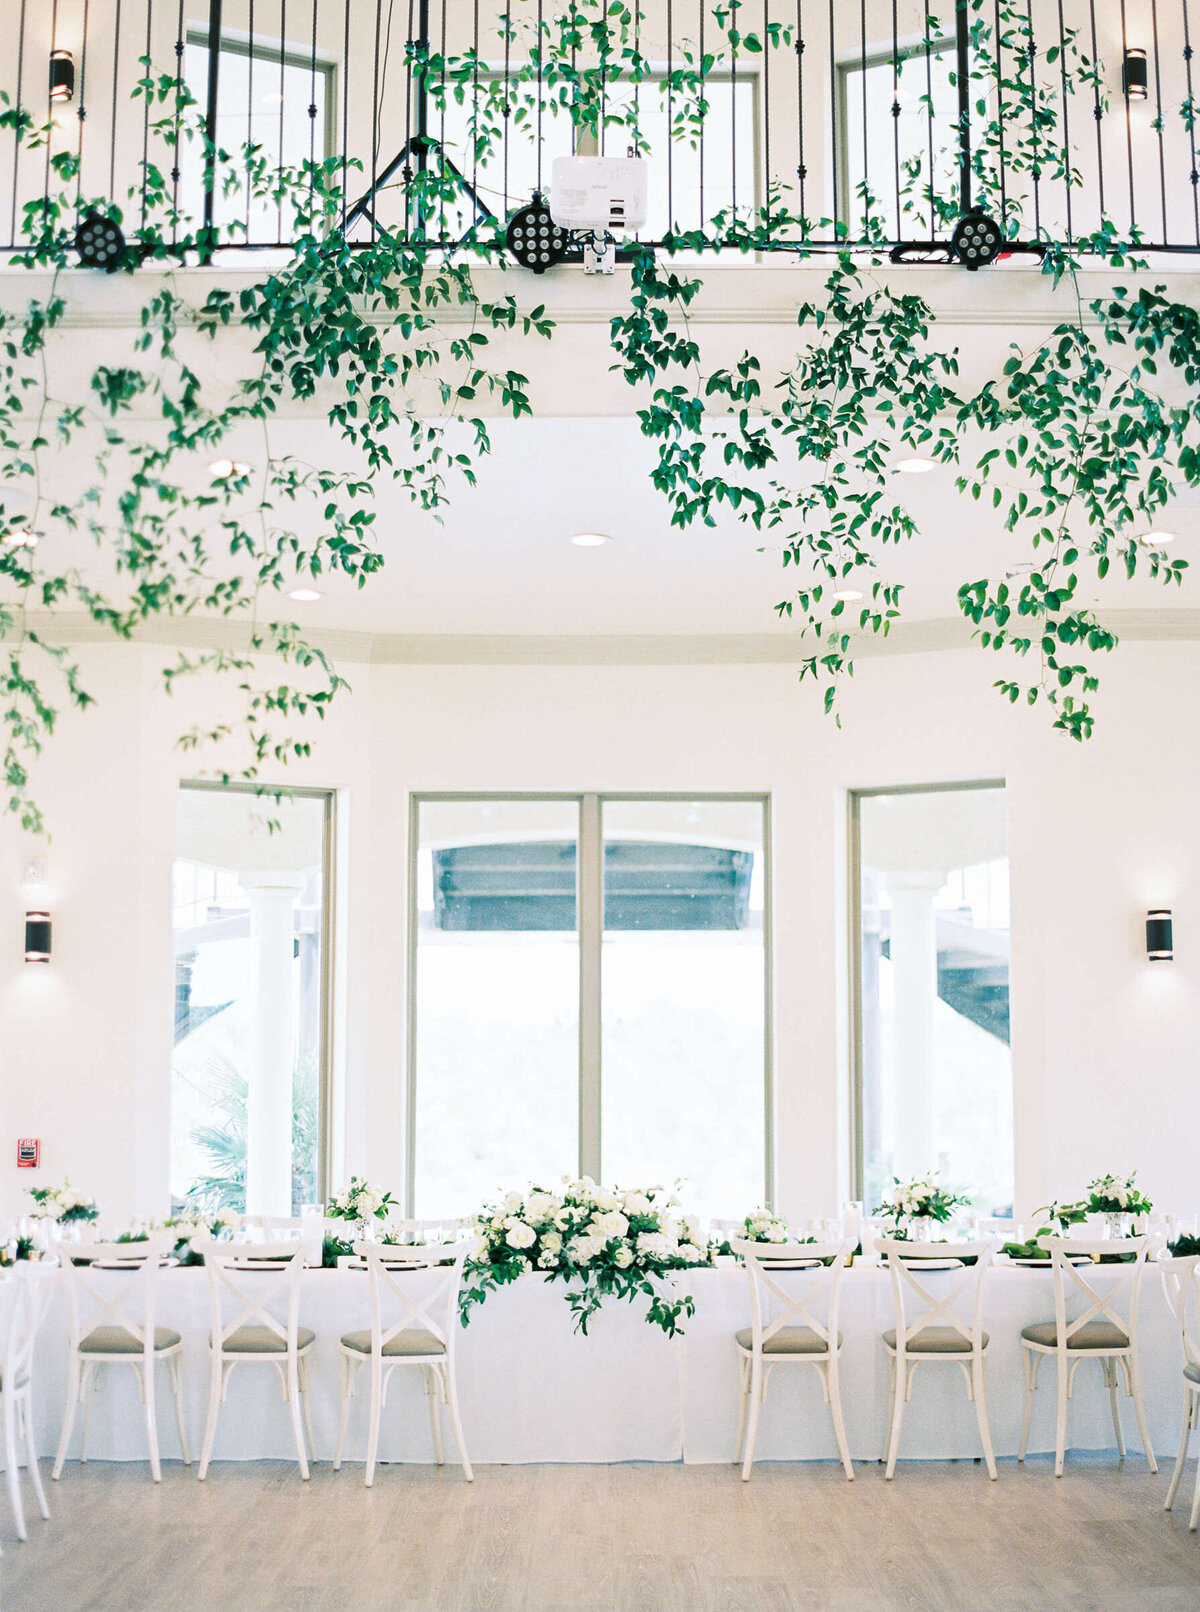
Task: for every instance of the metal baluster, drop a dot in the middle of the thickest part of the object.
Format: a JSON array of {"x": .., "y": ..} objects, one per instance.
[
  {"x": 1066, "y": 132},
  {"x": 1128, "y": 121}
]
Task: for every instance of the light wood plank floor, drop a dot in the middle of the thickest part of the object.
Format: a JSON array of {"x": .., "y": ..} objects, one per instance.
[{"x": 608, "y": 1539}]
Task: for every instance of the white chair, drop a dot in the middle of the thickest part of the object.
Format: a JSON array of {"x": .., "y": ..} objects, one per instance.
[
  {"x": 423, "y": 1291},
  {"x": 1106, "y": 1329},
  {"x": 254, "y": 1301},
  {"x": 943, "y": 1327},
  {"x": 111, "y": 1307},
  {"x": 803, "y": 1330},
  {"x": 25, "y": 1296},
  {"x": 1181, "y": 1279}
]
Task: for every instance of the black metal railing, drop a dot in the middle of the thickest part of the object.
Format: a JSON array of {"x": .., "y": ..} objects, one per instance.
[{"x": 767, "y": 124}]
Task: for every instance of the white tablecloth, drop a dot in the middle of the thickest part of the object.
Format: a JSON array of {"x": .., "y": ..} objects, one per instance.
[{"x": 531, "y": 1390}]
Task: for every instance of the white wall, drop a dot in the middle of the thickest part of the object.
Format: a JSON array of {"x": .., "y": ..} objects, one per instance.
[{"x": 1104, "y": 1043}]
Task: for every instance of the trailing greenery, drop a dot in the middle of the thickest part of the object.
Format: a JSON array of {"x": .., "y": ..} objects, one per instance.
[{"x": 1085, "y": 436}]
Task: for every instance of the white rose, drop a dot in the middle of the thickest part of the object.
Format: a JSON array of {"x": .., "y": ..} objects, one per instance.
[
  {"x": 610, "y": 1224},
  {"x": 691, "y": 1253},
  {"x": 519, "y": 1235},
  {"x": 636, "y": 1203},
  {"x": 547, "y": 1261},
  {"x": 541, "y": 1206},
  {"x": 584, "y": 1249},
  {"x": 623, "y": 1258},
  {"x": 605, "y": 1201},
  {"x": 551, "y": 1244},
  {"x": 653, "y": 1245},
  {"x": 512, "y": 1202},
  {"x": 563, "y": 1219}
]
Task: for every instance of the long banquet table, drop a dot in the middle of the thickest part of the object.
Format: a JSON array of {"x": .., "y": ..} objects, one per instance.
[{"x": 532, "y": 1390}]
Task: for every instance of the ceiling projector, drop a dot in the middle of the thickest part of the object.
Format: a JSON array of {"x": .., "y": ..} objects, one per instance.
[{"x": 599, "y": 194}]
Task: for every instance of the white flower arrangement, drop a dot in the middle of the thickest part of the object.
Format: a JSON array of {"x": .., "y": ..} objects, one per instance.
[
  {"x": 600, "y": 1241},
  {"x": 924, "y": 1198},
  {"x": 360, "y": 1200},
  {"x": 1117, "y": 1194},
  {"x": 760, "y": 1226},
  {"x": 63, "y": 1204}
]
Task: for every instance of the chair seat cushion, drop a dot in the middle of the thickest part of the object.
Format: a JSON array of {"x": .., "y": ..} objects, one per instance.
[
  {"x": 262, "y": 1341},
  {"x": 1192, "y": 1373},
  {"x": 1092, "y": 1335},
  {"x": 415, "y": 1341},
  {"x": 120, "y": 1341},
  {"x": 934, "y": 1341},
  {"x": 788, "y": 1341}
]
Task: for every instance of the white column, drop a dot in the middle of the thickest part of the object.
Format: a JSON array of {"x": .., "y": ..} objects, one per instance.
[
  {"x": 272, "y": 1041},
  {"x": 914, "y": 977}
]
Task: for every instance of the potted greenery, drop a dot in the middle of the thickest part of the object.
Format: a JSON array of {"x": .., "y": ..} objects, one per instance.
[
  {"x": 915, "y": 1207},
  {"x": 1119, "y": 1201}
]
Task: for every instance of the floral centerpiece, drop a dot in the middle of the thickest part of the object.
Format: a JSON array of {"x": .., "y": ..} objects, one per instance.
[
  {"x": 598, "y": 1242},
  {"x": 63, "y": 1204},
  {"x": 914, "y": 1206},
  {"x": 191, "y": 1223},
  {"x": 1119, "y": 1200},
  {"x": 360, "y": 1201},
  {"x": 1058, "y": 1218},
  {"x": 761, "y": 1226}
]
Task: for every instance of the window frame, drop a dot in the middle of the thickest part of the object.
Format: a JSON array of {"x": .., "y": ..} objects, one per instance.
[
  {"x": 590, "y": 930},
  {"x": 328, "y": 982},
  {"x": 278, "y": 53},
  {"x": 854, "y": 799}
]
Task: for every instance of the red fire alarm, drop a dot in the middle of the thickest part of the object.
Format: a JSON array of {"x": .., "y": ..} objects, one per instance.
[{"x": 29, "y": 1152}]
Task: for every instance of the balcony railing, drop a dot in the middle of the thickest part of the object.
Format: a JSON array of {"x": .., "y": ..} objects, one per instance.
[{"x": 767, "y": 124}]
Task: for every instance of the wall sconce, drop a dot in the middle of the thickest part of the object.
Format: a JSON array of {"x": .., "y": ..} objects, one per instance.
[
  {"x": 37, "y": 937},
  {"x": 62, "y": 76},
  {"x": 1135, "y": 74},
  {"x": 1160, "y": 938}
]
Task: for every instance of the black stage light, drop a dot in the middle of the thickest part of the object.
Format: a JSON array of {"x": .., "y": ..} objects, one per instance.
[
  {"x": 977, "y": 239},
  {"x": 534, "y": 239},
  {"x": 99, "y": 242}
]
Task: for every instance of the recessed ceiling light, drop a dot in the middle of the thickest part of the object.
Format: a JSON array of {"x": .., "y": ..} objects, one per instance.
[
  {"x": 22, "y": 539},
  {"x": 304, "y": 595},
  {"x": 1153, "y": 539},
  {"x": 223, "y": 469},
  {"x": 847, "y": 595},
  {"x": 590, "y": 540},
  {"x": 915, "y": 466}
]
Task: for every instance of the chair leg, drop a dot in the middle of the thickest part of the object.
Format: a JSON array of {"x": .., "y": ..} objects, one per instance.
[
  {"x": 150, "y": 1387},
  {"x": 1060, "y": 1432},
  {"x": 376, "y": 1410},
  {"x": 1110, "y": 1377},
  {"x": 306, "y": 1406},
  {"x": 979, "y": 1390},
  {"x": 11, "y": 1469},
  {"x": 1195, "y": 1516},
  {"x": 834, "y": 1390},
  {"x": 743, "y": 1389},
  {"x": 891, "y": 1406},
  {"x": 456, "y": 1421},
  {"x": 1181, "y": 1455},
  {"x": 1139, "y": 1410},
  {"x": 175, "y": 1377},
  {"x": 31, "y": 1451},
  {"x": 91, "y": 1384},
  {"x": 433, "y": 1394},
  {"x": 1030, "y": 1381},
  {"x": 756, "y": 1394},
  {"x": 74, "y": 1389},
  {"x": 349, "y": 1372},
  {"x": 899, "y": 1397},
  {"x": 215, "y": 1389},
  {"x": 293, "y": 1396}
]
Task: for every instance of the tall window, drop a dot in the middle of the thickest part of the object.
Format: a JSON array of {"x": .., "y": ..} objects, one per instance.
[
  {"x": 250, "y": 908},
  {"x": 934, "y": 1071},
  {"x": 589, "y": 988},
  {"x": 880, "y": 148}
]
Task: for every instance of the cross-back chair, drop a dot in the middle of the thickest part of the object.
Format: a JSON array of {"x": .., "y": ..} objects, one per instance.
[
  {"x": 414, "y": 1322},
  {"x": 254, "y": 1304},
  {"x": 1105, "y": 1329},
  {"x": 25, "y": 1296},
  {"x": 939, "y": 1320},
  {"x": 111, "y": 1301},
  {"x": 1181, "y": 1280},
  {"x": 793, "y": 1322}
]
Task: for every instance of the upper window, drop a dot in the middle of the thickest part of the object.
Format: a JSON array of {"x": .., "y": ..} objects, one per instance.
[
  {"x": 589, "y": 992},
  {"x": 249, "y": 911},
  {"x": 933, "y": 1060}
]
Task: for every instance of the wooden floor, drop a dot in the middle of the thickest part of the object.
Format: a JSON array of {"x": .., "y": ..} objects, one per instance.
[{"x": 634, "y": 1538}]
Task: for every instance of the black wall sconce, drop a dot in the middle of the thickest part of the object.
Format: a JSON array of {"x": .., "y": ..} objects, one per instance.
[
  {"x": 1160, "y": 937},
  {"x": 62, "y": 76},
  {"x": 1135, "y": 78},
  {"x": 37, "y": 937}
]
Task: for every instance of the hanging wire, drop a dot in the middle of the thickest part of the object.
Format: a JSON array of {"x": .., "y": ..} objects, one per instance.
[
  {"x": 1158, "y": 120},
  {"x": 1128, "y": 119},
  {"x": 112, "y": 142},
  {"x": 1066, "y": 135},
  {"x": 1191, "y": 118}
]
